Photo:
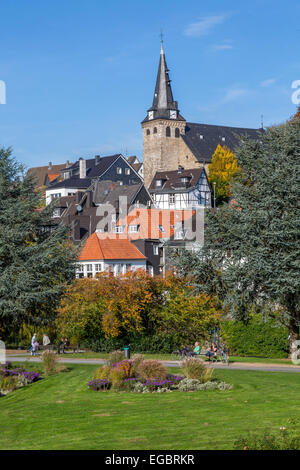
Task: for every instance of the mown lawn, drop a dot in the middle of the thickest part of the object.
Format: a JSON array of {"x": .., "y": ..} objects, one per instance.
[{"x": 59, "y": 412}]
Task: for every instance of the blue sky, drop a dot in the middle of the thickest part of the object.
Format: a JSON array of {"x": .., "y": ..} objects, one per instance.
[{"x": 80, "y": 75}]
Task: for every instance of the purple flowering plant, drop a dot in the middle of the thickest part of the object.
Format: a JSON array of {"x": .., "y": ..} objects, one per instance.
[
  {"x": 99, "y": 384},
  {"x": 6, "y": 370}
]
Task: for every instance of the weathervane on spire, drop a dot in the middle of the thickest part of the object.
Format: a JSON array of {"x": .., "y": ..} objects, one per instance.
[
  {"x": 161, "y": 35},
  {"x": 161, "y": 41}
]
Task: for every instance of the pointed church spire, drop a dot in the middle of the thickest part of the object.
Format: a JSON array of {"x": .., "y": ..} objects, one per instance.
[{"x": 163, "y": 105}]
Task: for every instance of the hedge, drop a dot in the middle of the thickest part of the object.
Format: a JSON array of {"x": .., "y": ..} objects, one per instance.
[
  {"x": 138, "y": 344},
  {"x": 256, "y": 338}
]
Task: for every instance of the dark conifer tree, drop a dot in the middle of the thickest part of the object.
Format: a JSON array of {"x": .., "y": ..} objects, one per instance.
[{"x": 35, "y": 261}]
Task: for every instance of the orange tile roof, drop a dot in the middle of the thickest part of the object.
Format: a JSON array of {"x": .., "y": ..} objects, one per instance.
[
  {"x": 52, "y": 176},
  {"x": 107, "y": 249},
  {"x": 149, "y": 221}
]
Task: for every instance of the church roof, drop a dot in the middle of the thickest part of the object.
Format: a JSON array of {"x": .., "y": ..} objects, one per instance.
[
  {"x": 163, "y": 100},
  {"x": 203, "y": 139}
]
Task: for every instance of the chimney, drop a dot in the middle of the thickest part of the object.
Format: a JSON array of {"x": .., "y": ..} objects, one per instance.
[
  {"x": 82, "y": 168},
  {"x": 67, "y": 163},
  {"x": 89, "y": 199},
  {"x": 50, "y": 166},
  {"x": 97, "y": 159},
  {"x": 78, "y": 197}
]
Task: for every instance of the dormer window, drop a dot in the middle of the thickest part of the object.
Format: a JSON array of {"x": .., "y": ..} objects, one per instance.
[
  {"x": 201, "y": 137},
  {"x": 56, "y": 213},
  {"x": 133, "y": 228},
  {"x": 223, "y": 139},
  {"x": 185, "y": 179},
  {"x": 158, "y": 183},
  {"x": 119, "y": 229}
]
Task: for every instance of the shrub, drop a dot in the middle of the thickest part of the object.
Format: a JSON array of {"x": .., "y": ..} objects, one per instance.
[
  {"x": 115, "y": 357},
  {"x": 136, "y": 360},
  {"x": 116, "y": 378},
  {"x": 98, "y": 384},
  {"x": 143, "y": 343},
  {"x": 151, "y": 369},
  {"x": 61, "y": 368},
  {"x": 49, "y": 360},
  {"x": 155, "y": 385},
  {"x": 194, "y": 368},
  {"x": 102, "y": 373},
  {"x": 256, "y": 338},
  {"x": 8, "y": 384},
  {"x": 189, "y": 385},
  {"x": 140, "y": 388},
  {"x": 126, "y": 367},
  {"x": 283, "y": 440},
  {"x": 128, "y": 385}
]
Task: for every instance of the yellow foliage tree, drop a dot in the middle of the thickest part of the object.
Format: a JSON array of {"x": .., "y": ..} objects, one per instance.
[{"x": 222, "y": 169}]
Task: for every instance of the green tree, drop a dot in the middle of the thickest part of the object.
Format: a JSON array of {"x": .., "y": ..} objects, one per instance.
[
  {"x": 35, "y": 261},
  {"x": 252, "y": 248}
]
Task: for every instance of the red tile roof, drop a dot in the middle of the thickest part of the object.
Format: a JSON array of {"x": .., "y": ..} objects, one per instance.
[
  {"x": 107, "y": 249},
  {"x": 52, "y": 176},
  {"x": 149, "y": 221}
]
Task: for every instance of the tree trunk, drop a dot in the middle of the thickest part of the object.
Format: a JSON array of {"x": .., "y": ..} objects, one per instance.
[{"x": 293, "y": 335}]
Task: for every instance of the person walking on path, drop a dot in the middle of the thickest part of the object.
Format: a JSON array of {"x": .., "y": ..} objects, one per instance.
[{"x": 33, "y": 341}]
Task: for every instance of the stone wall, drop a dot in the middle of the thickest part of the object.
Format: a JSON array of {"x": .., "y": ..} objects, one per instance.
[{"x": 162, "y": 152}]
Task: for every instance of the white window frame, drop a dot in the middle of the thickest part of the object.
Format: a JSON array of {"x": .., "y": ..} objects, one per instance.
[
  {"x": 172, "y": 198},
  {"x": 56, "y": 212},
  {"x": 133, "y": 228},
  {"x": 155, "y": 250}
]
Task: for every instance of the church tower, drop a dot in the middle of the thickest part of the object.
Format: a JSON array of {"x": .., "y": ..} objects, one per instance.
[{"x": 162, "y": 127}]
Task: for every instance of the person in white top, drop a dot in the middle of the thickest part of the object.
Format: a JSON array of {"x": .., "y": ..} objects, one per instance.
[{"x": 46, "y": 340}]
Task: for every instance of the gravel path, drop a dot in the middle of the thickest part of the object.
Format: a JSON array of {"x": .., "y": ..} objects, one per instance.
[{"x": 233, "y": 366}]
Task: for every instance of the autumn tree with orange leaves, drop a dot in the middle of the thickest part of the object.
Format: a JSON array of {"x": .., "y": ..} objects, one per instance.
[{"x": 134, "y": 303}]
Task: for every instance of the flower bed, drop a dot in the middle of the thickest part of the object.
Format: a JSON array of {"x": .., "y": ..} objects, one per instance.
[
  {"x": 142, "y": 376},
  {"x": 13, "y": 378}
]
